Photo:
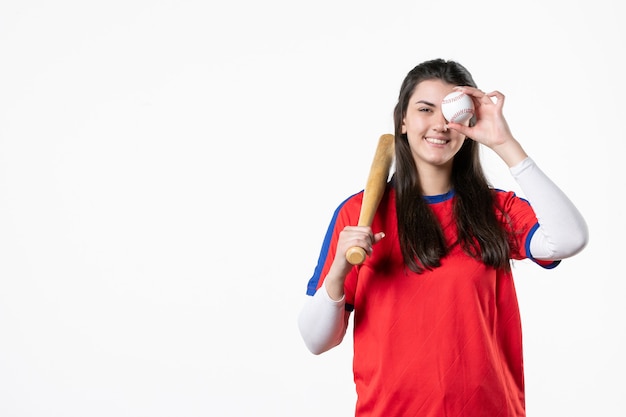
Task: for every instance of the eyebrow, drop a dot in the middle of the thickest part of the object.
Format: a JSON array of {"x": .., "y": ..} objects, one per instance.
[{"x": 428, "y": 103}]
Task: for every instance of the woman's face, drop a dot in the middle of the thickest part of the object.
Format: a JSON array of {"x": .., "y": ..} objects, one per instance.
[{"x": 431, "y": 142}]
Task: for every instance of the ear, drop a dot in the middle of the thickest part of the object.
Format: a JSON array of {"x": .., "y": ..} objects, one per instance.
[{"x": 403, "y": 127}]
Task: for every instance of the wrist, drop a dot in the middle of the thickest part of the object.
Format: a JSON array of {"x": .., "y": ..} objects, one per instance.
[
  {"x": 511, "y": 152},
  {"x": 334, "y": 288}
]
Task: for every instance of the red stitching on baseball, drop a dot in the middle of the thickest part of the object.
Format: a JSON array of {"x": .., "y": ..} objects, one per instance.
[
  {"x": 453, "y": 99},
  {"x": 460, "y": 112}
]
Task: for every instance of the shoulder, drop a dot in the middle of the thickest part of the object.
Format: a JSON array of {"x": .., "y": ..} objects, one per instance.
[
  {"x": 514, "y": 210},
  {"x": 350, "y": 208},
  {"x": 504, "y": 198},
  {"x": 351, "y": 202},
  {"x": 355, "y": 200}
]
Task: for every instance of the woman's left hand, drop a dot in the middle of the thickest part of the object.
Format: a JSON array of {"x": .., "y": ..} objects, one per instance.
[{"x": 491, "y": 128}]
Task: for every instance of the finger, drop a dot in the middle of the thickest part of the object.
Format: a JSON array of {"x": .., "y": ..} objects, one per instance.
[
  {"x": 496, "y": 97},
  {"x": 363, "y": 240},
  {"x": 470, "y": 91}
]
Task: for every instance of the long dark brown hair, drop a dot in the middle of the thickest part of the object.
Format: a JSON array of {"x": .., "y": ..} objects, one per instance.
[{"x": 421, "y": 238}]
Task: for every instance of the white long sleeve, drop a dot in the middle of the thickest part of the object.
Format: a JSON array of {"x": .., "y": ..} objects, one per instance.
[
  {"x": 323, "y": 321},
  {"x": 562, "y": 230}
]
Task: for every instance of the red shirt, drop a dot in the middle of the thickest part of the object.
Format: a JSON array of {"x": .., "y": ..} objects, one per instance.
[{"x": 447, "y": 342}]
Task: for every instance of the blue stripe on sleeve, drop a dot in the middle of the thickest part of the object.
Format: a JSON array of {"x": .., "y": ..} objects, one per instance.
[
  {"x": 313, "y": 282},
  {"x": 543, "y": 264}
]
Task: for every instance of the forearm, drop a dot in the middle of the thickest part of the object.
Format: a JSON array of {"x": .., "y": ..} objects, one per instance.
[
  {"x": 322, "y": 321},
  {"x": 510, "y": 151},
  {"x": 562, "y": 229}
]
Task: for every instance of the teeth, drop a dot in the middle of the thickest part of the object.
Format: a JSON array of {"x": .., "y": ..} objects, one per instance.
[{"x": 437, "y": 141}]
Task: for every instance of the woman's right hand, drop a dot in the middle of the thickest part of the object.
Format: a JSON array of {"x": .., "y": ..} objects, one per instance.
[{"x": 350, "y": 236}]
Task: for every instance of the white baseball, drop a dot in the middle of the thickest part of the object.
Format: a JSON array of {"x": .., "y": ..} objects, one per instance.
[{"x": 457, "y": 107}]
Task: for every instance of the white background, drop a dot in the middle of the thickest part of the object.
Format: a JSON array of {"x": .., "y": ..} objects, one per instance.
[{"x": 168, "y": 170}]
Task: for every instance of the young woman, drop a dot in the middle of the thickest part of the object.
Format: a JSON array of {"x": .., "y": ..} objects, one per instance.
[{"x": 437, "y": 328}]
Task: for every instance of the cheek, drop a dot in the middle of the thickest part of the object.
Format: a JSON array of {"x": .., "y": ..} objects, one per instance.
[
  {"x": 412, "y": 125},
  {"x": 459, "y": 143},
  {"x": 457, "y": 136},
  {"x": 414, "y": 142}
]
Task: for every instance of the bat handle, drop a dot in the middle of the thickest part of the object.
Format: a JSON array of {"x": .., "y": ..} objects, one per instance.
[{"x": 355, "y": 255}]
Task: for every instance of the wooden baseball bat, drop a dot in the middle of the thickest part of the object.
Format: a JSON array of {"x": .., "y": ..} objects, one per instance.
[{"x": 373, "y": 191}]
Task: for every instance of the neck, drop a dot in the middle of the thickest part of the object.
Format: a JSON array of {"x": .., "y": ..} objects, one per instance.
[{"x": 435, "y": 180}]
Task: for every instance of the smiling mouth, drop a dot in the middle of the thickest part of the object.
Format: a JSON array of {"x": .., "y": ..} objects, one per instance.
[{"x": 436, "y": 141}]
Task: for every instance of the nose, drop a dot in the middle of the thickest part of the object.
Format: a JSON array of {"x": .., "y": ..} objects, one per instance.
[{"x": 441, "y": 125}]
